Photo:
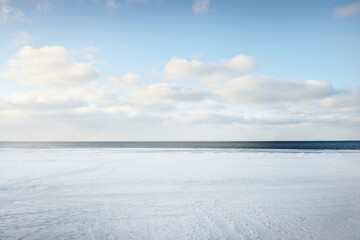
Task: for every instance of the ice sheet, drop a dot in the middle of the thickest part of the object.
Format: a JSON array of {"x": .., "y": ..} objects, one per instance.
[{"x": 179, "y": 194}]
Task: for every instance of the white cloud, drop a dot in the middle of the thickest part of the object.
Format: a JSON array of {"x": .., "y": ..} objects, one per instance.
[
  {"x": 201, "y": 6},
  {"x": 150, "y": 99},
  {"x": 94, "y": 94},
  {"x": 19, "y": 38},
  {"x": 179, "y": 68},
  {"x": 9, "y": 14},
  {"x": 165, "y": 93},
  {"x": 78, "y": 100},
  {"x": 347, "y": 103},
  {"x": 136, "y": 108},
  {"x": 263, "y": 91},
  {"x": 229, "y": 118},
  {"x": 51, "y": 100},
  {"x": 98, "y": 114},
  {"x": 48, "y": 66},
  {"x": 57, "y": 99},
  {"x": 242, "y": 108},
  {"x": 209, "y": 105},
  {"x": 348, "y": 10},
  {"x": 207, "y": 118},
  {"x": 128, "y": 80}
]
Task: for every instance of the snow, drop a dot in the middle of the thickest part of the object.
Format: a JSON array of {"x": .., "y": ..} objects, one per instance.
[{"x": 179, "y": 194}]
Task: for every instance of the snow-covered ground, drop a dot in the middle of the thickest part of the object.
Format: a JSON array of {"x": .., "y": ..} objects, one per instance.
[{"x": 179, "y": 194}]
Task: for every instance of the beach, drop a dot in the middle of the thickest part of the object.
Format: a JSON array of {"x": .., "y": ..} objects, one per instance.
[{"x": 158, "y": 193}]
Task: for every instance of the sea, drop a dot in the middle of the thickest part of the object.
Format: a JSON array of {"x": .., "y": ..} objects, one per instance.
[{"x": 320, "y": 145}]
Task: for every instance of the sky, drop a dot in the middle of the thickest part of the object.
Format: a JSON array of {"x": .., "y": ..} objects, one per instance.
[{"x": 173, "y": 70}]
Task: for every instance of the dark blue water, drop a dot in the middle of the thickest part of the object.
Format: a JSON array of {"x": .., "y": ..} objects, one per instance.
[{"x": 336, "y": 145}]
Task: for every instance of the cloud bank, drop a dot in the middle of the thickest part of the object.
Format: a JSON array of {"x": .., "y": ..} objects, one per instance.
[
  {"x": 179, "y": 68},
  {"x": 228, "y": 104},
  {"x": 262, "y": 91},
  {"x": 128, "y": 80}
]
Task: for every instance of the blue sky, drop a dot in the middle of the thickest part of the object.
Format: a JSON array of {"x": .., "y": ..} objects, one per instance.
[{"x": 147, "y": 55}]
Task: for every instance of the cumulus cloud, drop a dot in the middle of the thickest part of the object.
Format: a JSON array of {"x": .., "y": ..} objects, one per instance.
[
  {"x": 136, "y": 108},
  {"x": 60, "y": 99},
  {"x": 347, "y": 103},
  {"x": 179, "y": 68},
  {"x": 201, "y": 6},
  {"x": 90, "y": 97},
  {"x": 53, "y": 100},
  {"x": 233, "y": 118},
  {"x": 128, "y": 80},
  {"x": 48, "y": 66},
  {"x": 208, "y": 118},
  {"x": 347, "y": 10},
  {"x": 94, "y": 94},
  {"x": 166, "y": 93},
  {"x": 156, "y": 98},
  {"x": 209, "y": 105},
  {"x": 263, "y": 91},
  {"x": 226, "y": 109}
]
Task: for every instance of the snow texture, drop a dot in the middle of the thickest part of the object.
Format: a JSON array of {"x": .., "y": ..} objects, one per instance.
[{"x": 179, "y": 194}]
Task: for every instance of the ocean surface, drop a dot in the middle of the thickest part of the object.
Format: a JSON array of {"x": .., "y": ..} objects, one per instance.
[{"x": 331, "y": 145}]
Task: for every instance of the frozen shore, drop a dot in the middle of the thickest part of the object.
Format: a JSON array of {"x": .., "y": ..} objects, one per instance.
[{"x": 179, "y": 194}]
